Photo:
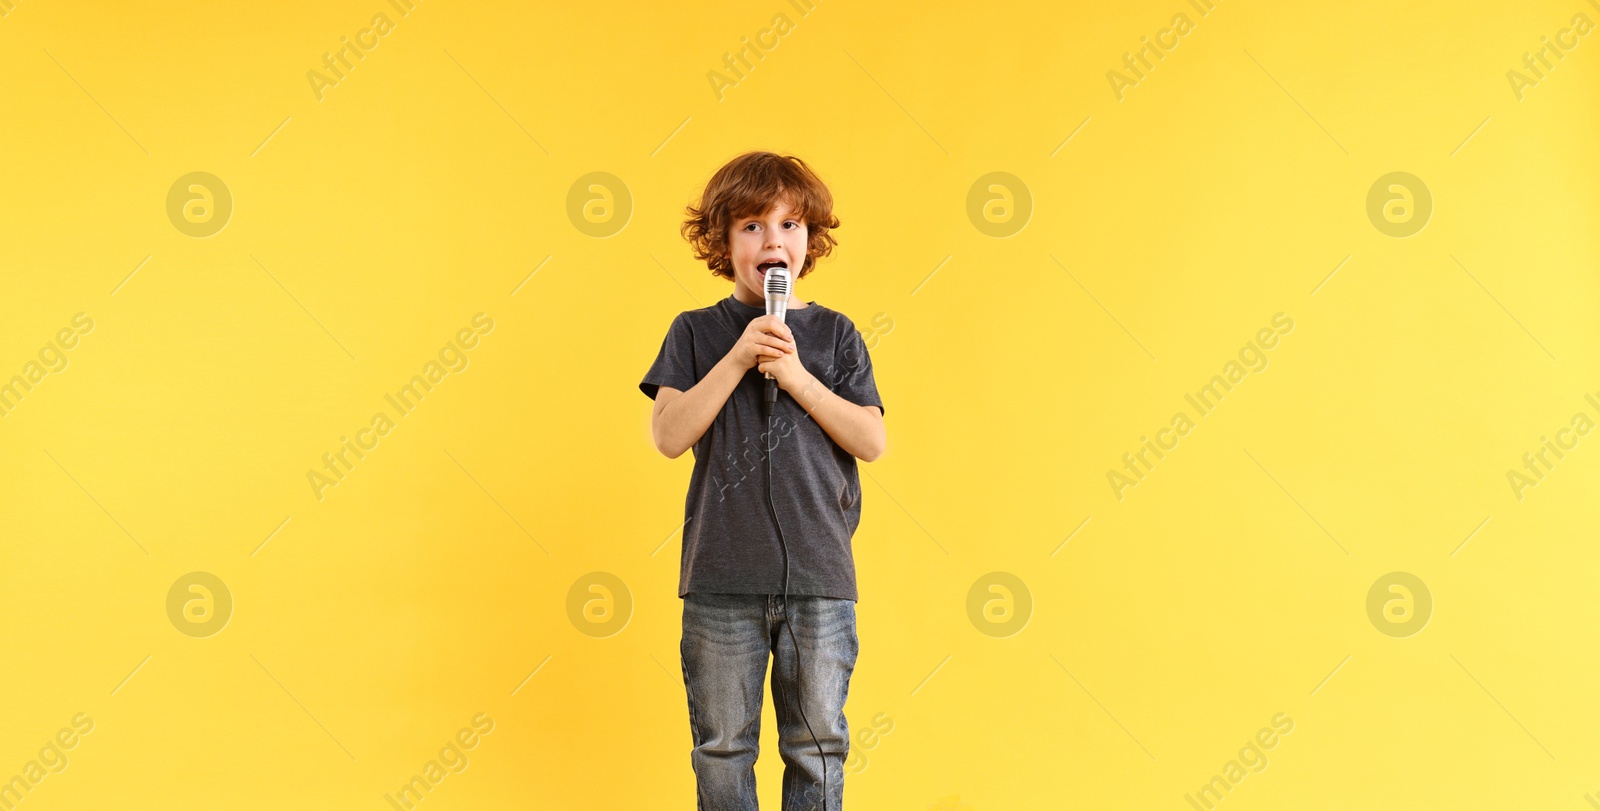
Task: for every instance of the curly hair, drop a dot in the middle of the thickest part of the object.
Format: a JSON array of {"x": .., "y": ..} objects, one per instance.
[{"x": 750, "y": 185}]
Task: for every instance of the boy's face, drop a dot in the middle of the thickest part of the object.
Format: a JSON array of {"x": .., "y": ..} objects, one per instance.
[{"x": 754, "y": 241}]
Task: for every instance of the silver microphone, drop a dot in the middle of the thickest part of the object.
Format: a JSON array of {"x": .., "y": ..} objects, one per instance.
[{"x": 777, "y": 287}]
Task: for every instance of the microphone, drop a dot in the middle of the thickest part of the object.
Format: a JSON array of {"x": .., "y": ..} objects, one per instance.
[
  {"x": 777, "y": 287},
  {"x": 776, "y": 283}
]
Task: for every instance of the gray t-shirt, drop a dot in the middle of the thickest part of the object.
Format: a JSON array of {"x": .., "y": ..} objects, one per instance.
[{"x": 730, "y": 545}]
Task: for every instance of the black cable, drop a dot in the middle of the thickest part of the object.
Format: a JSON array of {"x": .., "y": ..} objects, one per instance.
[{"x": 788, "y": 617}]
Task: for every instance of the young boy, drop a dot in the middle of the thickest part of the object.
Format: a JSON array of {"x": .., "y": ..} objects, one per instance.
[{"x": 759, "y": 210}]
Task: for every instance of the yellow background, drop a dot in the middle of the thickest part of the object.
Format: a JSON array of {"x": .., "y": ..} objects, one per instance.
[{"x": 431, "y": 183}]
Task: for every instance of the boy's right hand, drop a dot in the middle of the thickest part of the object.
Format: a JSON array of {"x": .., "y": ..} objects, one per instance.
[{"x": 765, "y": 338}]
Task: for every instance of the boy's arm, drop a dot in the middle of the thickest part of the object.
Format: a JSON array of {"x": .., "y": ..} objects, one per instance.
[
  {"x": 856, "y": 428},
  {"x": 680, "y": 418}
]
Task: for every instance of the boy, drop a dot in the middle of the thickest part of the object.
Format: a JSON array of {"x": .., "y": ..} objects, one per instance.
[{"x": 745, "y": 536}]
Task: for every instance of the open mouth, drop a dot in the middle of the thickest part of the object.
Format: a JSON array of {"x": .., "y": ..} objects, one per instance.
[{"x": 769, "y": 264}]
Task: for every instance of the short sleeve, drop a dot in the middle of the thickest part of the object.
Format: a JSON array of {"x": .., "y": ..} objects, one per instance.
[
  {"x": 853, "y": 378},
  {"x": 674, "y": 364}
]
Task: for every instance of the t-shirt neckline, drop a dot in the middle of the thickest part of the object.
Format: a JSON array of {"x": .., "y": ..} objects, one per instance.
[{"x": 751, "y": 309}]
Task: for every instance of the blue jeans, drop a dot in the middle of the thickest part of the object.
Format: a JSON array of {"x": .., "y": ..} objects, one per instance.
[{"x": 726, "y": 641}]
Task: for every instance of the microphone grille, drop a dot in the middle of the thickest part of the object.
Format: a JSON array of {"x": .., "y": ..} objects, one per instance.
[{"x": 778, "y": 282}]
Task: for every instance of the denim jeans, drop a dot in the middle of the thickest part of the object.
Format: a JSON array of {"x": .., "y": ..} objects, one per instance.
[{"x": 726, "y": 641}]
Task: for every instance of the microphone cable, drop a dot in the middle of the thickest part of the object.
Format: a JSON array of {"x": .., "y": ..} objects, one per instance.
[{"x": 788, "y": 617}]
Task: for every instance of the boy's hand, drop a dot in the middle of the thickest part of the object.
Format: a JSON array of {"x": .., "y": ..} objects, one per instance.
[
  {"x": 788, "y": 371},
  {"x": 765, "y": 339}
]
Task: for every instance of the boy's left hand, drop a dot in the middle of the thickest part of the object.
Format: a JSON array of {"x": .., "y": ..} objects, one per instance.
[{"x": 787, "y": 369}]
